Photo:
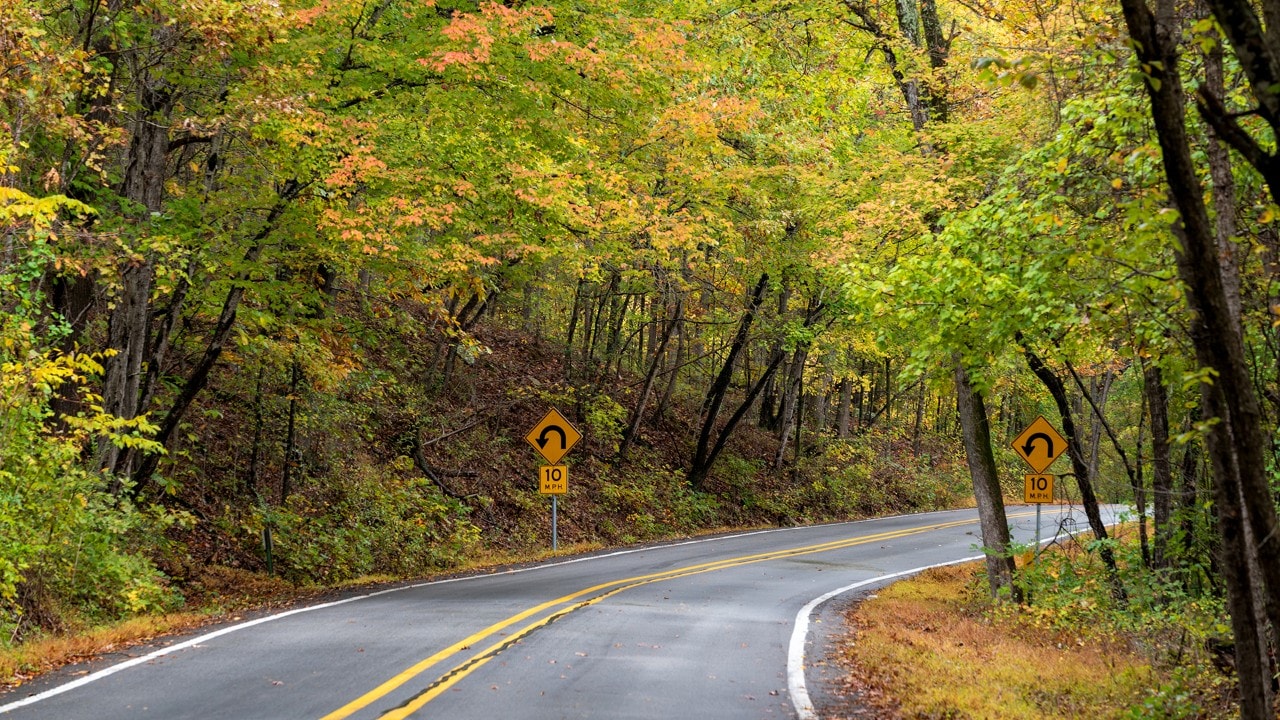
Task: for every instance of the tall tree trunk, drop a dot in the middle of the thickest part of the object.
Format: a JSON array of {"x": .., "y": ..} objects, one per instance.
[
  {"x": 1224, "y": 204},
  {"x": 129, "y": 324},
  {"x": 1100, "y": 394},
  {"x": 939, "y": 48},
  {"x": 975, "y": 430},
  {"x": 842, "y": 415},
  {"x": 860, "y": 396},
  {"x": 603, "y": 311},
  {"x": 1237, "y": 443},
  {"x": 526, "y": 308},
  {"x": 618, "y": 316},
  {"x": 822, "y": 412},
  {"x": 1188, "y": 494},
  {"x": 1140, "y": 493},
  {"x": 1224, "y": 191},
  {"x": 915, "y": 431},
  {"x": 909, "y": 24},
  {"x": 888, "y": 391}
]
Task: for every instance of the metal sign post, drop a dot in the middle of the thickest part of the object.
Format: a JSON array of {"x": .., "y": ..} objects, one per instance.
[
  {"x": 1037, "y": 489},
  {"x": 553, "y": 437},
  {"x": 1038, "y": 446},
  {"x": 554, "y": 481}
]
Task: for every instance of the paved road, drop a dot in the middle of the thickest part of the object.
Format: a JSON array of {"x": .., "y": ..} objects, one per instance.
[{"x": 697, "y": 629}]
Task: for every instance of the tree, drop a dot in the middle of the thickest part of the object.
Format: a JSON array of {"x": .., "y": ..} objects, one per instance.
[{"x": 1236, "y": 440}]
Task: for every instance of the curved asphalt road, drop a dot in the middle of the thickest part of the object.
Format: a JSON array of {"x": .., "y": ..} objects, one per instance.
[{"x": 697, "y": 629}]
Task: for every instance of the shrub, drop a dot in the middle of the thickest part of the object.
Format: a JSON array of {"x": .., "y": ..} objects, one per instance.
[
  {"x": 365, "y": 524},
  {"x": 70, "y": 540}
]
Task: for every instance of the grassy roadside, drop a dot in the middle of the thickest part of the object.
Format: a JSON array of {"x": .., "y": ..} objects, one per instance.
[{"x": 935, "y": 647}]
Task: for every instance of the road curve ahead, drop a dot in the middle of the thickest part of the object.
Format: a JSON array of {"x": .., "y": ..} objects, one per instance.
[{"x": 694, "y": 629}]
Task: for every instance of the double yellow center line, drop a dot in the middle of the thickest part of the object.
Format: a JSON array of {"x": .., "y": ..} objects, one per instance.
[{"x": 571, "y": 602}]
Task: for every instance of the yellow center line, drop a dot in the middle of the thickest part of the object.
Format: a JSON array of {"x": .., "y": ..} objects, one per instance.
[{"x": 466, "y": 668}]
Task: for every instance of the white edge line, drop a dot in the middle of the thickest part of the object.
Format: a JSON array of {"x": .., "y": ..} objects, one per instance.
[
  {"x": 796, "y": 687},
  {"x": 161, "y": 652}
]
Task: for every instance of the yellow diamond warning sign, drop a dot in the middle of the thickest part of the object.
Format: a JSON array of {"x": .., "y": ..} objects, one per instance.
[
  {"x": 553, "y": 436},
  {"x": 1039, "y": 445}
]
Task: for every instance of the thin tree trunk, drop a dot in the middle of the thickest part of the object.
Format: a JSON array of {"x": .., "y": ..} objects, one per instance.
[
  {"x": 637, "y": 416},
  {"x": 255, "y": 449},
  {"x": 526, "y": 308},
  {"x": 799, "y": 446},
  {"x": 163, "y": 336},
  {"x": 1188, "y": 494},
  {"x": 1078, "y": 463},
  {"x": 823, "y": 395},
  {"x": 715, "y": 394},
  {"x": 291, "y": 434},
  {"x": 915, "y": 432},
  {"x": 790, "y": 403},
  {"x": 888, "y": 392},
  {"x": 1102, "y": 392},
  {"x": 1161, "y": 468},
  {"x": 573, "y": 326},
  {"x": 598, "y": 327},
  {"x": 199, "y": 376},
  {"x": 673, "y": 371},
  {"x": 617, "y": 316},
  {"x": 1140, "y": 495},
  {"x": 976, "y": 433}
]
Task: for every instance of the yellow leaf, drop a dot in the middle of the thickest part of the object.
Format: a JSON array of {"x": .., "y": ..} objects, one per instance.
[{"x": 1117, "y": 183}]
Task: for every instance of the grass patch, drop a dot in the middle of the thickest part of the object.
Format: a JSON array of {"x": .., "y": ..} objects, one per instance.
[
  {"x": 40, "y": 654},
  {"x": 934, "y": 647}
]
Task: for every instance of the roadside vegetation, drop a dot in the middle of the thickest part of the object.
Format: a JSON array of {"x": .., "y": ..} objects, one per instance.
[{"x": 935, "y": 646}]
